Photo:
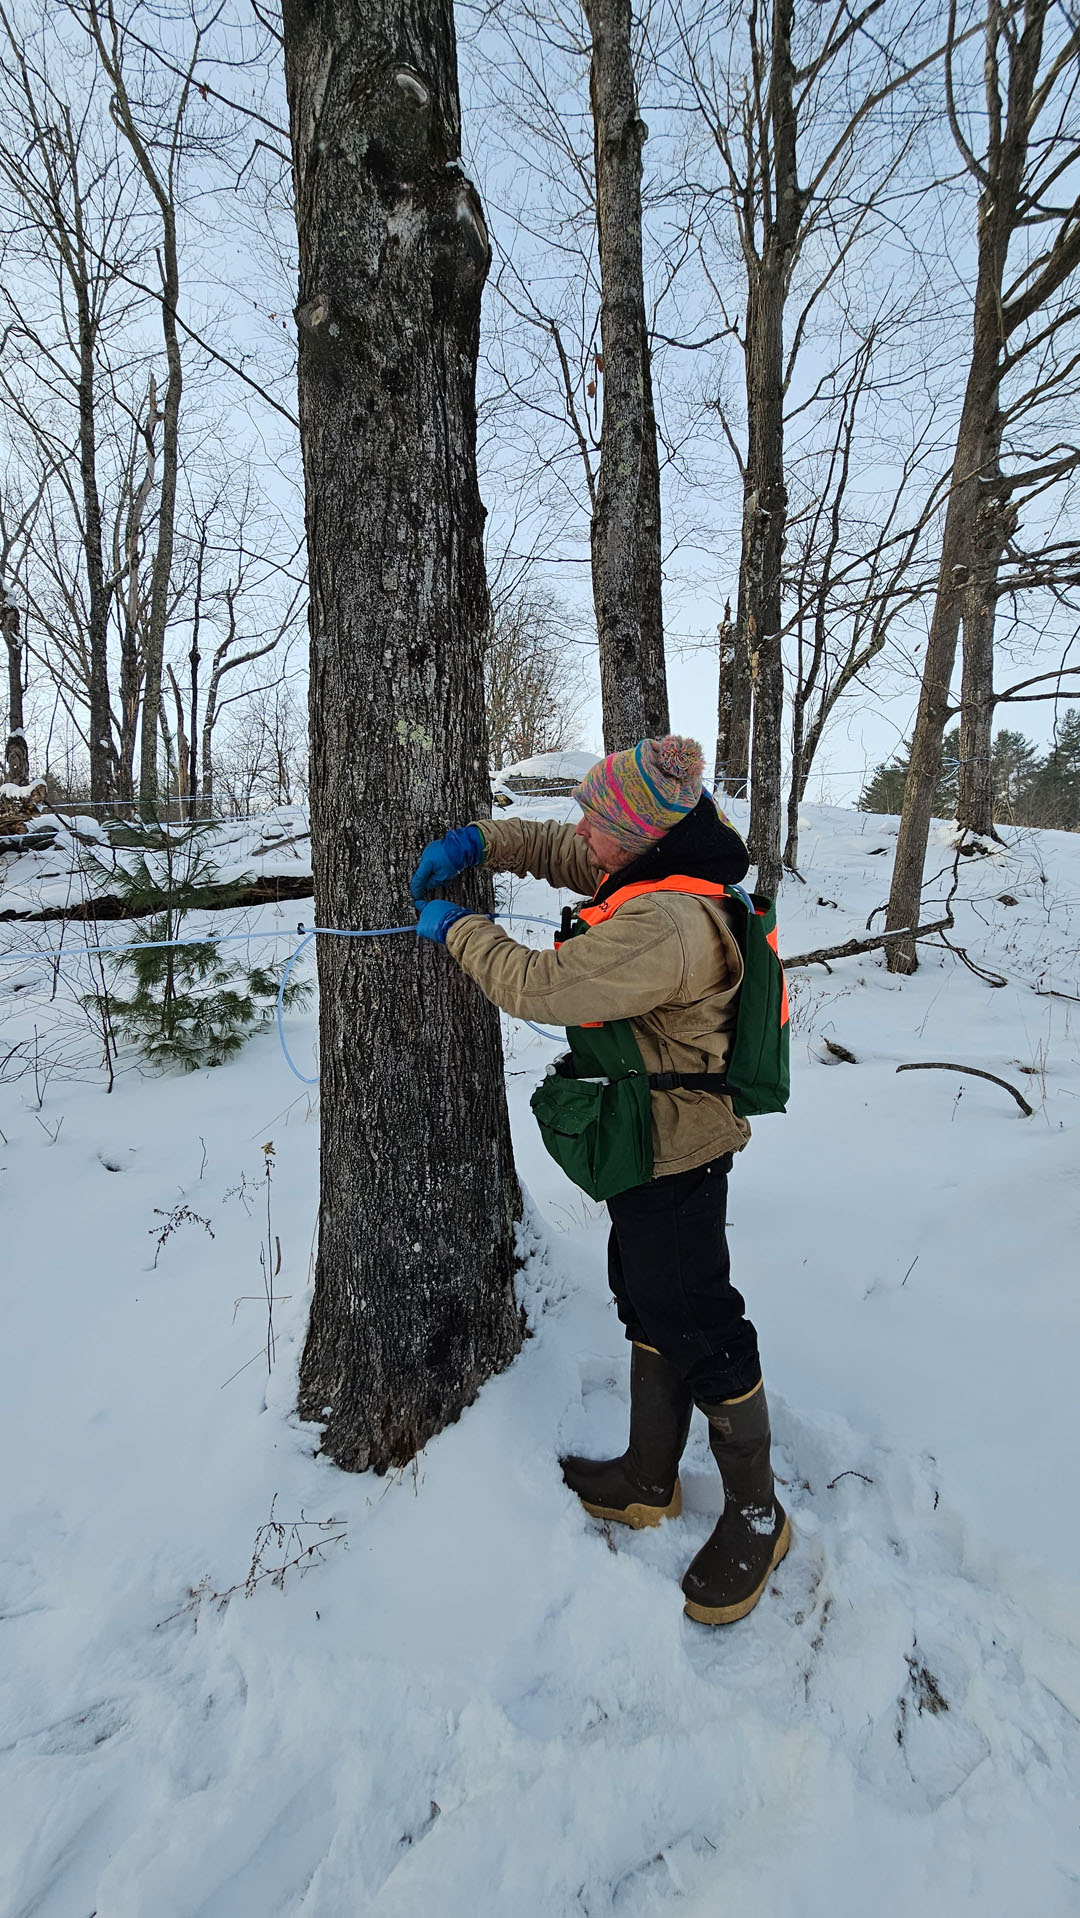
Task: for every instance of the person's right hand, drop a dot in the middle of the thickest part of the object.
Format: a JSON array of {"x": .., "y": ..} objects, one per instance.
[
  {"x": 443, "y": 859},
  {"x": 437, "y": 918}
]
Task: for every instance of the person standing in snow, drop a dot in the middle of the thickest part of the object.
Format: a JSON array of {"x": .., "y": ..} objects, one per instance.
[{"x": 653, "y": 854}]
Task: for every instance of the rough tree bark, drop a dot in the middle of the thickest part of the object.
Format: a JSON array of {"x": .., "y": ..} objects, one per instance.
[
  {"x": 414, "y": 1304},
  {"x": 625, "y": 531}
]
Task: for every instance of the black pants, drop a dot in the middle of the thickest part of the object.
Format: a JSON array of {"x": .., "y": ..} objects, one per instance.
[{"x": 668, "y": 1267}]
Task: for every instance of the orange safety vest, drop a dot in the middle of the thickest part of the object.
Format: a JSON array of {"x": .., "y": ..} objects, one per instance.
[{"x": 675, "y": 882}]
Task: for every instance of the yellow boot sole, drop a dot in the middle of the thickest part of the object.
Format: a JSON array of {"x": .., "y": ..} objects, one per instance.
[
  {"x": 727, "y": 1614},
  {"x": 638, "y": 1516}
]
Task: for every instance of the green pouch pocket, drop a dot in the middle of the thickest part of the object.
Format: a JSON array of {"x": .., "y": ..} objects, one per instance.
[{"x": 598, "y": 1130}]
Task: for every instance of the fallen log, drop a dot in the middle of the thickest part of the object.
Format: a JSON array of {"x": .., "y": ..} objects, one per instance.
[
  {"x": 42, "y": 841},
  {"x": 275, "y": 845},
  {"x": 852, "y": 946},
  {"x": 268, "y": 891}
]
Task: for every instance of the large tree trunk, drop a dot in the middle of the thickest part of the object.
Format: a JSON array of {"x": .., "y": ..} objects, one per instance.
[
  {"x": 414, "y": 1303},
  {"x": 765, "y": 502},
  {"x": 625, "y": 532}
]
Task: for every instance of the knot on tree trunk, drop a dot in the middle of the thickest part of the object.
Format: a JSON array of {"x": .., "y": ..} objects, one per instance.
[{"x": 405, "y": 133}]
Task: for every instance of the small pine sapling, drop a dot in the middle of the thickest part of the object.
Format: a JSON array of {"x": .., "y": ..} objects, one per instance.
[{"x": 188, "y": 1006}]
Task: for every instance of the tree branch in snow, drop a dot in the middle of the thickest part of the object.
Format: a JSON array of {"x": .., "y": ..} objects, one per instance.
[
  {"x": 940, "y": 1065},
  {"x": 852, "y": 946}
]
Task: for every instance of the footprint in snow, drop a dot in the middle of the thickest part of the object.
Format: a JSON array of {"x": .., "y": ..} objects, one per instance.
[{"x": 873, "y": 1625}]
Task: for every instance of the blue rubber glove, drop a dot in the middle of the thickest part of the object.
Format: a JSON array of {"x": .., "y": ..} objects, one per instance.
[
  {"x": 443, "y": 859},
  {"x": 436, "y": 919}
]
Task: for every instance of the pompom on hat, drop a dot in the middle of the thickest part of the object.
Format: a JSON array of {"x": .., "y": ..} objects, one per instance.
[{"x": 639, "y": 795}]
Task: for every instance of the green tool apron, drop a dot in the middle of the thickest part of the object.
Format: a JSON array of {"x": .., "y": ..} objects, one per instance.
[{"x": 593, "y": 1108}]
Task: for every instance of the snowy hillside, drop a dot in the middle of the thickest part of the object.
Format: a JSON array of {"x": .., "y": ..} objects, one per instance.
[{"x": 450, "y": 1693}]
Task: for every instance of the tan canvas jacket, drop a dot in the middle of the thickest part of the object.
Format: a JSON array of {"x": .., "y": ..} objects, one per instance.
[{"x": 665, "y": 961}]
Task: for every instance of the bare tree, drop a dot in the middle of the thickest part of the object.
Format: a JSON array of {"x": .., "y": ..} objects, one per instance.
[
  {"x": 156, "y": 149},
  {"x": 1028, "y": 248},
  {"x": 791, "y": 110},
  {"x": 237, "y": 649},
  {"x": 533, "y": 685},
  {"x": 414, "y": 1304},
  {"x": 16, "y": 531},
  {"x": 541, "y": 353},
  {"x": 550, "y": 385},
  {"x": 262, "y": 758},
  {"x": 70, "y": 210},
  {"x": 856, "y": 568}
]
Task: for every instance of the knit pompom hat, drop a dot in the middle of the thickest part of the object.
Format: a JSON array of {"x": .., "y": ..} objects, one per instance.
[{"x": 638, "y": 795}]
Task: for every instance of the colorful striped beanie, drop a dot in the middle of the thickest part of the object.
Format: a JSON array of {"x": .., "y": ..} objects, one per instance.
[{"x": 638, "y": 795}]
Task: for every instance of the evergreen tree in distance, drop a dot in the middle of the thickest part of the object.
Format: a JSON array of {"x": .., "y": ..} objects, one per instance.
[
  {"x": 1028, "y": 790},
  {"x": 884, "y": 790},
  {"x": 1013, "y": 764},
  {"x": 1053, "y": 794}
]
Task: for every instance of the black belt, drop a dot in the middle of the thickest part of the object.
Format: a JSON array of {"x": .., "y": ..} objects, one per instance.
[{"x": 688, "y": 1082}]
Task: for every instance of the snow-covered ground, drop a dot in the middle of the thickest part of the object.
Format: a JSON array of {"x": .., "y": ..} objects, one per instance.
[{"x": 470, "y": 1698}]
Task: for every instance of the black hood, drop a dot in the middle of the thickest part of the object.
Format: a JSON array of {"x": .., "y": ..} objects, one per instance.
[{"x": 701, "y": 846}]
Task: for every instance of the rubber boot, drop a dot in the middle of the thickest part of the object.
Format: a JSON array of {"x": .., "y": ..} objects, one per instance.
[
  {"x": 732, "y": 1568},
  {"x": 642, "y": 1486}
]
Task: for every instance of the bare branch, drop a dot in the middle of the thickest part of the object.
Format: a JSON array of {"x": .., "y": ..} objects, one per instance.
[
  {"x": 851, "y": 947},
  {"x": 975, "y": 1072}
]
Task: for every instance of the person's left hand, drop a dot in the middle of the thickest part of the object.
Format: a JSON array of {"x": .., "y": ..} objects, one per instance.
[
  {"x": 443, "y": 859},
  {"x": 437, "y": 918}
]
